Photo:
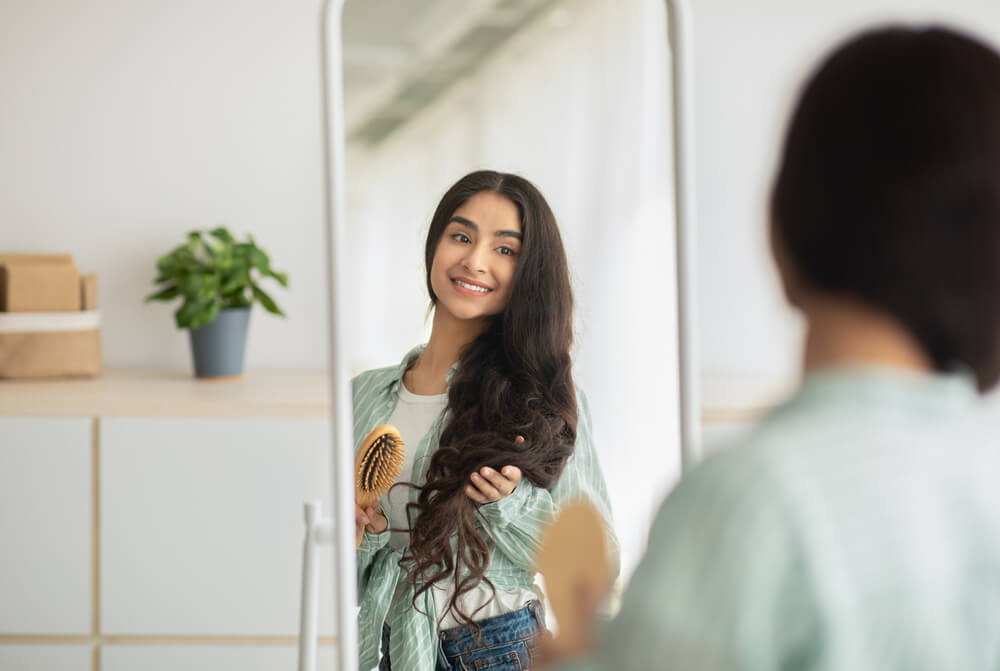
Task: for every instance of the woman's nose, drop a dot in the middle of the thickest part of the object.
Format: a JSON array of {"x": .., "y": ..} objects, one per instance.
[{"x": 475, "y": 260}]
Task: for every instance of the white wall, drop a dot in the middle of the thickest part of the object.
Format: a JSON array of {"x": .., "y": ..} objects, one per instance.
[
  {"x": 750, "y": 59},
  {"x": 126, "y": 123},
  {"x": 123, "y": 124}
]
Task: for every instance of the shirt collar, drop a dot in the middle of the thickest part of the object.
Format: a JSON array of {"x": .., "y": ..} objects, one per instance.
[
  {"x": 408, "y": 359},
  {"x": 877, "y": 386}
]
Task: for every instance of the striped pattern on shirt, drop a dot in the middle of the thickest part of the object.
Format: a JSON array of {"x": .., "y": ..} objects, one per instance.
[{"x": 516, "y": 523}]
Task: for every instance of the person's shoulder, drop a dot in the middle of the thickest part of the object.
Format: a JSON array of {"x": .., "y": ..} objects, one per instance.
[
  {"x": 372, "y": 380},
  {"x": 748, "y": 476},
  {"x": 384, "y": 373}
]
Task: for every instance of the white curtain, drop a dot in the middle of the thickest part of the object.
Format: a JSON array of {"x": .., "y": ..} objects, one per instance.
[{"x": 578, "y": 104}]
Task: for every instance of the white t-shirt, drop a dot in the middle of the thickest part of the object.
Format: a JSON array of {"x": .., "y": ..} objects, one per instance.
[{"x": 414, "y": 415}]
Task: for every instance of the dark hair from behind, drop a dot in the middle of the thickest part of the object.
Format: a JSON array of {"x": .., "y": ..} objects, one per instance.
[
  {"x": 515, "y": 379},
  {"x": 888, "y": 188}
]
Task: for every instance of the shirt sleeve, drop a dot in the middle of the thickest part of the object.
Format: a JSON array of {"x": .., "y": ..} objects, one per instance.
[
  {"x": 370, "y": 543},
  {"x": 370, "y": 546},
  {"x": 722, "y": 584},
  {"x": 517, "y": 521}
]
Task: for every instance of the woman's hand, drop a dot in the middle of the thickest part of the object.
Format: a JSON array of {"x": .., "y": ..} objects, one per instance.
[
  {"x": 369, "y": 519},
  {"x": 489, "y": 486}
]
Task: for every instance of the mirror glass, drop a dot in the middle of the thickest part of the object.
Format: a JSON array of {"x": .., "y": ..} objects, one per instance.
[{"x": 574, "y": 97}]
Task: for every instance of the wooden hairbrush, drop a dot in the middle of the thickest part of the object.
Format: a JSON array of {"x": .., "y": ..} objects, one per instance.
[
  {"x": 378, "y": 463},
  {"x": 575, "y": 562}
]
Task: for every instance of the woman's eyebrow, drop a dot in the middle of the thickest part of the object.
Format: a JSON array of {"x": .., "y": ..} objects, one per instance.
[
  {"x": 468, "y": 223},
  {"x": 464, "y": 222}
]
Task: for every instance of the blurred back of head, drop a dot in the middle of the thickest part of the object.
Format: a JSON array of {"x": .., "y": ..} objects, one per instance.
[{"x": 888, "y": 188}]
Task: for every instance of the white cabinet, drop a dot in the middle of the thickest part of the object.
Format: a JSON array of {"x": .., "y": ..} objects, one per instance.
[
  {"x": 151, "y": 521},
  {"x": 45, "y": 526},
  {"x": 21, "y": 657},
  {"x": 201, "y": 524}
]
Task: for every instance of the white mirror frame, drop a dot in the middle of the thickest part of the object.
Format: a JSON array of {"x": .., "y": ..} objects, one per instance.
[
  {"x": 681, "y": 38},
  {"x": 334, "y": 147}
]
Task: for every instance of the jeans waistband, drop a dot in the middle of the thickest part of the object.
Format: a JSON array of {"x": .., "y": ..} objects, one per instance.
[{"x": 519, "y": 624}]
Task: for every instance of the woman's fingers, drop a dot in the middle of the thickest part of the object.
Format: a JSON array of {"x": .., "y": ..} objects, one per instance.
[
  {"x": 513, "y": 474},
  {"x": 476, "y": 495},
  {"x": 377, "y": 522},
  {"x": 489, "y": 485},
  {"x": 504, "y": 482},
  {"x": 484, "y": 483}
]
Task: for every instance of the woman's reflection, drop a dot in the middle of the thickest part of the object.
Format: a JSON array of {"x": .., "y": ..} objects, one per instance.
[{"x": 498, "y": 438}]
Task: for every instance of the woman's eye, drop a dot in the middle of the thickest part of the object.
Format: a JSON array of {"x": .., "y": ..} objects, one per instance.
[
  {"x": 506, "y": 251},
  {"x": 460, "y": 237}
]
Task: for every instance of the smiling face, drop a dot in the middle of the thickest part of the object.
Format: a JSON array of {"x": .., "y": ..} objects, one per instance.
[{"x": 475, "y": 258}]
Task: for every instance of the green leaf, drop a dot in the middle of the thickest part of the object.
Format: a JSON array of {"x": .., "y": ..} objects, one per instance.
[
  {"x": 166, "y": 263},
  {"x": 209, "y": 286},
  {"x": 188, "y": 312},
  {"x": 266, "y": 301},
  {"x": 235, "y": 282},
  {"x": 239, "y": 300},
  {"x": 210, "y": 252},
  {"x": 222, "y": 234},
  {"x": 190, "y": 285},
  {"x": 164, "y": 294},
  {"x": 206, "y": 316},
  {"x": 259, "y": 260},
  {"x": 278, "y": 275},
  {"x": 194, "y": 241}
]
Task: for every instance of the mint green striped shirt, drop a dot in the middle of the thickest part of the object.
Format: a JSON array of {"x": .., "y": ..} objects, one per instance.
[
  {"x": 858, "y": 528},
  {"x": 516, "y": 522}
]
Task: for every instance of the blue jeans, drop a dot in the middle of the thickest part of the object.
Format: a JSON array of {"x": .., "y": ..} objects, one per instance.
[{"x": 507, "y": 643}]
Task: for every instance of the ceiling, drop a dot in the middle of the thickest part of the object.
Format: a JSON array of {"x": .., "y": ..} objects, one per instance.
[{"x": 399, "y": 55}]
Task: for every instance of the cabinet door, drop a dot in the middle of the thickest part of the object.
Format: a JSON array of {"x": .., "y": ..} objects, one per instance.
[
  {"x": 202, "y": 524},
  {"x": 45, "y": 525},
  {"x": 19, "y": 657}
]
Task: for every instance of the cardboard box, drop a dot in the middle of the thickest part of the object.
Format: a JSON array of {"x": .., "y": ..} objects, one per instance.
[
  {"x": 39, "y": 283},
  {"x": 38, "y": 345},
  {"x": 88, "y": 292}
]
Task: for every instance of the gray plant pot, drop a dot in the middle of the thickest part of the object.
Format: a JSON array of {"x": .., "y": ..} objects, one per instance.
[{"x": 218, "y": 347}]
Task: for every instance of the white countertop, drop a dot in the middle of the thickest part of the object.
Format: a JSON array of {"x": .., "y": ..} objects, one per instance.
[
  {"x": 291, "y": 394},
  {"x": 166, "y": 393}
]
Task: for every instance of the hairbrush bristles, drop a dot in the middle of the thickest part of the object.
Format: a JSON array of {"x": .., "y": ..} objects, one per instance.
[{"x": 378, "y": 464}]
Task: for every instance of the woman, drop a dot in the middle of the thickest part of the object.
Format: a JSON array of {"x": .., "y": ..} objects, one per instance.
[
  {"x": 497, "y": 438},
  {"x": 859, "y": 526}
]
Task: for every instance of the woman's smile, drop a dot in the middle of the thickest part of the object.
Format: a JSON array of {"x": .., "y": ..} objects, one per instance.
[{"x": 469, "y": 287}]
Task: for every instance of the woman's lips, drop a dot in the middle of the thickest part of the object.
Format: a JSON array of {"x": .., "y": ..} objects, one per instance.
[{"x": 470, "y": 288}]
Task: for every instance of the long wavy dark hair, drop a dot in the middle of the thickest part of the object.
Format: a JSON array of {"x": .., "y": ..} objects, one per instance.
[{"x": 513, "y": 380}]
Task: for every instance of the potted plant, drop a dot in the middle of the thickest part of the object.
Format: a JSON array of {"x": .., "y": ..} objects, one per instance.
[{"x": 218, "y": 279}]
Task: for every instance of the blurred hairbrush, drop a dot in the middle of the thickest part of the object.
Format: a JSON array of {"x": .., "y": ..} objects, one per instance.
[{"x": 577, "y": 567}]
